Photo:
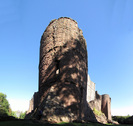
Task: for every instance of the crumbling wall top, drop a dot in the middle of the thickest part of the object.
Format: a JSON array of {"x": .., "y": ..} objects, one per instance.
[
  {"x": 62, "y": 18},
  {"x": 54, "y": 20}
]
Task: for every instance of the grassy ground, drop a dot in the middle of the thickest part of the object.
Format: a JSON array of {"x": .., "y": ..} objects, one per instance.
[{"x": 30, "y": 123}]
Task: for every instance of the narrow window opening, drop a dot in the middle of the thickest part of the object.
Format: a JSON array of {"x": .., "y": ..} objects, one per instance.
[
  {"x": 57, "y": 71},
  {"x": 57, "y": 67}
]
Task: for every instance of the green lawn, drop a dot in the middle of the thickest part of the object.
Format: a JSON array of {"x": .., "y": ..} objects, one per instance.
[{"x": 30, "y": 123}]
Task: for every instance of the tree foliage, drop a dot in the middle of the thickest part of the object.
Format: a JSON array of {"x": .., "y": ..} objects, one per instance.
[
  {"x": 4, "y": 104},
  {"x": 22, "y": 115},
  {"x": 13, "y": 113},
  {"x": 6, "y": 110},
  {"x": 120, "y": 119}
]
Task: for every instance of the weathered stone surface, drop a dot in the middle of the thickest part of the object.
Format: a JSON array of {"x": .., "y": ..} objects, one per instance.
[
  {"x": 102, "y": 103},
  {"x": 102, "y": 119},
  {"x": 62, "y": 72},
  {"x": 90, "y": 90},
  {"x": 96, "y": 103},
  {"x": 106, "y": 106},
  {"x": 114, "y": 122},
  {"x": 33, "y": 102}
]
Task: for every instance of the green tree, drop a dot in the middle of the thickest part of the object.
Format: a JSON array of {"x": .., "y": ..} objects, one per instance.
[
  {"x": 4, "y": 104},
  {"x": 13, "y": 113},
  {"x": 10, "y": 111},
  {"x": 22, "y": 115}
]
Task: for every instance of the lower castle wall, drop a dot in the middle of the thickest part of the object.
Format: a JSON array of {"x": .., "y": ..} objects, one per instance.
[
  {"x": 33, "y": 102},
  {"x": 102, "y": 103},
  {"x": 90, "y": 90}
]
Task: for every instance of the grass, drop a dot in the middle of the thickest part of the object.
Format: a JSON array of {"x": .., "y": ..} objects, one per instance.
[
  {"x": 31, "y": 123},
  {"x": 22, "y": 123}
]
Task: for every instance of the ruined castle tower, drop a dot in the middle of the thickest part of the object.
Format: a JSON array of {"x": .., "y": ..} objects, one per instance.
[
  {"x": 63, "y": 94},
  {"x": 63, "y": 71},
  {"x": 106, "y": 106}
]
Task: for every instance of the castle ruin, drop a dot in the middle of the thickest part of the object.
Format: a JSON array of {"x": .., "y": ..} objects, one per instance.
[
  {"x": 63, "y": 72},
  {"x": 99, "y": 102}
]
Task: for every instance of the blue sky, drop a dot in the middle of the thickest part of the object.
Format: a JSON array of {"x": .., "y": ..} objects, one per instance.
[{"x": 107, "y": 26}]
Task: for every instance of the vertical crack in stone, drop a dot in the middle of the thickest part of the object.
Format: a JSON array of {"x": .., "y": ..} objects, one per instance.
[{"x": 53, "y": 35}]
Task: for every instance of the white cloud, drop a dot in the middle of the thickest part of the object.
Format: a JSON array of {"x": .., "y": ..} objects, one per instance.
[
  {"x": 19, "y": 104},
  {"x": 123, "y": 111}
]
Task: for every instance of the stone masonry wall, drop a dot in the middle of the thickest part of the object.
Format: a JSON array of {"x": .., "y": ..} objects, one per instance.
[
  {"x": 63, "y": 94},
  {"x": 90, "y": 90},
  {"x": 33, "y": 102},
  {"x": 31, "y": 106},
  {"x": 63, "y": 71},
  {"x": 106, "y": 106},
  {"x": 102, "y": 103}
]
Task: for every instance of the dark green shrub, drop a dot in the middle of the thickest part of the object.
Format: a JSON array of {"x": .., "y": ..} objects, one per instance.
[{"x": 120, "y": 119}]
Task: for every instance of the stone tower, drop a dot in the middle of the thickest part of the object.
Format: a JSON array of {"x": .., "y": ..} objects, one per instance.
[
  {"x": 106, "y": 106},
  {"x": 63, "y": 94},
  {"x": 62, "y": 72}
]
